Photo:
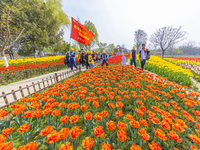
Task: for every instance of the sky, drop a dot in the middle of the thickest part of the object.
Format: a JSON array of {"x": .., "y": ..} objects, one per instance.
[{"x": 117, "y": 20}]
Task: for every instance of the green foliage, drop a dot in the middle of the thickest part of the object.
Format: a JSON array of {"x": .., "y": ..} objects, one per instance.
[
  {"x": 26, "y": 49},
  {"x": 177, "y": 51},
  {"x": 110, "y": 48},
  {"x": 91, "y": 27},
  {"x": 41, "y": 19}
]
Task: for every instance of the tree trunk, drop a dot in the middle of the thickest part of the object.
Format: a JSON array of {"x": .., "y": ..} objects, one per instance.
[
  {"x": 10, "y": 54},
  {"x": 41, "y": 53},
  {"x": 163, "y": 53},
  {"x": 35, "y": 53},
  {"x": 4, "y": 59}
]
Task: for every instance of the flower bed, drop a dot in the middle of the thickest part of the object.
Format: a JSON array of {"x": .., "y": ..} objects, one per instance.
[
  {"x": 189, "y": 59},
  {"x": 191, "y": 64},
  {"x": 105, "y": 109},
  {"x": 169, "y": 70}
]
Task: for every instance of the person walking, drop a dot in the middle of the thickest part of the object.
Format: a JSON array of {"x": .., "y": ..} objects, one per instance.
[
  {"x": 79, "y": 56},
  {"x": 72, "y": 59},
  {"x": 83, "y": 57},
  {"x": 86, "y": 59},
  {"x": 90, "y": 60},
  {"x": 67, "y": 59},
  {"x": 104, "y": 58},
  {"x": 133, "y": 57},
  {"x": 142, "y": 55}
]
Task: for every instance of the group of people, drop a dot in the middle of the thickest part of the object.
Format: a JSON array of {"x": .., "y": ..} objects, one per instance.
[
  {"x": 85, "y": 58},
  {"x": 144, "y": 55},
  {"x": 88, "y": 58}
]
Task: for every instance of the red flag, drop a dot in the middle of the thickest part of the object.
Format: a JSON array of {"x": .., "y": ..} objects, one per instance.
[{"x": 79, "y": 33}]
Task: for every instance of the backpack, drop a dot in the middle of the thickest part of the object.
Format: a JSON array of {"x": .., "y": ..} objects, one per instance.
[
  {"x": 65, "y": 61},
  {"x": 148, "y": 56}
]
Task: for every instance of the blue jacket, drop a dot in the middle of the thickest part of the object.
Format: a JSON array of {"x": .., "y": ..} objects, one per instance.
[
  {"x": 104, "y": 56},
  {"x": 72, "y": 57}
]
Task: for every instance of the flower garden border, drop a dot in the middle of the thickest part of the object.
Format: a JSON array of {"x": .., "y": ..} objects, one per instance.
[
  {"x": 46, "y": 83},
  {"x": 29, "y": 73}
]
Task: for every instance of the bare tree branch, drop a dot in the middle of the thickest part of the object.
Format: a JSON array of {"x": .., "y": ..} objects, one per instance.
[
  {"x": 17, "y": 39},
  {"x": 8, "y": 30},
  {"x": 140, "y": 38},
  {"x": 166, "y": 37}
]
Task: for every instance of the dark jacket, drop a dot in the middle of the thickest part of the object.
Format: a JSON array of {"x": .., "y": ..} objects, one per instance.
[
  {"x": 82, "y": 56},
  {"x": 133, "y": 52}
]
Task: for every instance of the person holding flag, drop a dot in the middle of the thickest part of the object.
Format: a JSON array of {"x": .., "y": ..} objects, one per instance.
[
  {"x": 72, "y": 59},
  {"x": 79, "y": 56},
  {"x": 83, "y": 57},
  {"x": 86, "y": 59}
]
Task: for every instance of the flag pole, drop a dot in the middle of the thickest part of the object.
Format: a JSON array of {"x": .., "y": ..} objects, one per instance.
[{"x": 70, "y": 34}]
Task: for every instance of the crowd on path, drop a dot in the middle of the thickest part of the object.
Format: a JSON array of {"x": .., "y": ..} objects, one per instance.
[{"x": 88, "y": 58}]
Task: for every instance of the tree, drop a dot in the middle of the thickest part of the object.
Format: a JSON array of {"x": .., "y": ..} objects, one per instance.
[
  {"x": 110, "y": 48},
  {"x": 177, "y": 51},
  {"x": 6, "y": 34},
  {"x": 91, "y": 27},
  {"x": 102, "y": 46},
  {"x": 43, "y": 18},
  {"x": 166, "y": 37},
  {"x": 140, "y": 37}
]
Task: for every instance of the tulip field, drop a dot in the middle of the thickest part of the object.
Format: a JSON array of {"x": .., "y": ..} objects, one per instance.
[
  {"x": 192, "y": 64},
  {"x": 167, "y": 69},
  {"x": 106, "y": 109},
  {"x": 19, "y": 65}
]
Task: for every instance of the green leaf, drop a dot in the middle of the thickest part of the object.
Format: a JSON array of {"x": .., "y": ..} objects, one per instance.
[
  {"x": 37, "y": 130},
  {"x": 114, "y": 145}
]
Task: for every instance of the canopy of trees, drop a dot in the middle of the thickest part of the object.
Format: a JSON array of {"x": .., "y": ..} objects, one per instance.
[{"x": 42, "y": 22}]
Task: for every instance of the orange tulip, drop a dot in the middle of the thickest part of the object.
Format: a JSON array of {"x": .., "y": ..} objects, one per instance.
[
  {"x": 74, "y": 132},
  {"x": 53, "y": 137},
  {"x": 74, "y": 119},
  {"x": 7, "y": 131},
  {"x": 29, "y": 146},
  {"x": 98, "y": 131},
  {"x": 67, "y": 146},
  {"x": 121, "y": 135},
  {"x": 63, "y": 133},
  {"x": 64, "y": 119},
  {"x": 110, "y": 125},
  {"x": 23, "y": 127},
  {"x": 56, "y": 113},
  {"x": 88, "y": 116},
  {"x": 134, "y": 147},
  {"x": 84, "y": 107},
  {"x": 160, "y": 134},
  {"x": 46, "y": 131},
  {"x": 154, "y": 146},
  {"x": 87, "y": 143},
  {"x": 106, "y": 146},
  {"x": 121, "y": 125},
  {"x": 98, "y": 116},
  {"x": 119, "y": 113},
  {"x": 143, "y": 134}
]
